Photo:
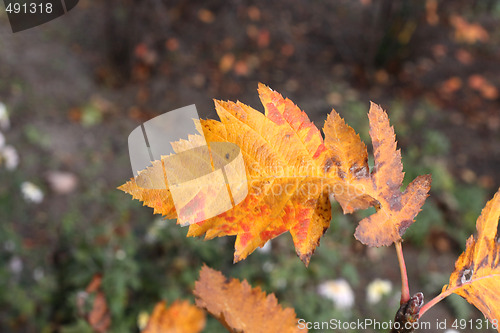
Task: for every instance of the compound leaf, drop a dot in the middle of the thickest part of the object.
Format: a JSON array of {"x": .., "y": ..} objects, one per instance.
[{"x": 291, "y": 173}]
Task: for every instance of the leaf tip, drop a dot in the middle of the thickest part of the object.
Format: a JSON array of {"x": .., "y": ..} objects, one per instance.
[
  {"x": 306, "y": 258},
  {"x": 376, "y": 110},
  {"x": 126, "y": 187},
  {"x": 217, "y": 102},
  {"x": 262, "y": 87}
]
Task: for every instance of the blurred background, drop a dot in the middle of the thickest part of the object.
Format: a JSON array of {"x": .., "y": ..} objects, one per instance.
[{"x": 73, "y": 89}]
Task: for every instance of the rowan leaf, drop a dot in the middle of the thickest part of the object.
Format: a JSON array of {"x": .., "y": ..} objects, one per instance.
[
  {"x": 349, "y": 155},
  {"x": 395, "y": 210},
  {"x": 288, "y": 169},
  {"x": 241, "y": 308},
  {"x": 153, "y": 196},
  {"x": 477, "y": 271},
  {"x": 180, "y": 317},
  {"x": 291, "y": 172}
]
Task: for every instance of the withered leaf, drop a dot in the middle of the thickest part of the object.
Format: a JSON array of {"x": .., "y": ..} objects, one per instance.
[
  {"x": 241, "y": 308},
  {"x": 395, "y": 210},
  {"x": 93, "y": 306}
]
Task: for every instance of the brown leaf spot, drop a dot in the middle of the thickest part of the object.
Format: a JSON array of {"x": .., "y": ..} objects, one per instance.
[
  {"x": 404, "y": 226},
  {"x": 328, "y": 165},
  {"x": 359, "y": 171}
]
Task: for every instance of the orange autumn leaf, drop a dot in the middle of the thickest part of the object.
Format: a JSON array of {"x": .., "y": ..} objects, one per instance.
[
  {"x": 349, "y": 155},
  {"x": 241, "y": 308},
  {"x": 287, "y": 167},
  {"x": 95, "y": 309},
  {"x": 180, "y": 317},
  {"x": 396, "y": 210},
  {"x": 477, "y": 271},
  {"x": 291, "y": 172}
]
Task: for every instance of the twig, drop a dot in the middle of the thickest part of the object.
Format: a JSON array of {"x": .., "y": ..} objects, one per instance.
[{"x": 406, "y": 320}]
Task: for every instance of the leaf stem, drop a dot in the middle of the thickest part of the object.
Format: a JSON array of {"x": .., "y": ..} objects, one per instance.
[
  {"x": 436, "y": 300},
  {"x": 405, "y": 289},
  {"x": 450, "y": 291}
]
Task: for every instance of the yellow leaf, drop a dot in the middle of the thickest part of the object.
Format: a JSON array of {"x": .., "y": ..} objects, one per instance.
[
  {"x": 477, "y": 271},
  {"x": 288, "y": 169},
  {"x": 241, "y": 308}
]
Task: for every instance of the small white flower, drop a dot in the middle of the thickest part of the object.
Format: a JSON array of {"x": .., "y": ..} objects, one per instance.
[
  {"x": 9, "y": 157},
  {"x": 31, "y": 192},
  {"x": 120, "y": 254},
  {"x": 4, "y": 117},
  {"x": 339, "y": 291},
  {"x": 16, "y": 265},
  {"x": 377, "y": 289}
]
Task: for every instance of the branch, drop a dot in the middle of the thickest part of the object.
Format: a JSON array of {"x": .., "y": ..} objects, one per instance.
[{"x": 408, "y": 314}]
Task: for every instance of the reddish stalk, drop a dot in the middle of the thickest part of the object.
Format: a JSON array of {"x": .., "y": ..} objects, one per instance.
[
  {"x": 448, "y": 292},
  {"x": 436, "y": 300},
  {"x": 405, "y": 289}
]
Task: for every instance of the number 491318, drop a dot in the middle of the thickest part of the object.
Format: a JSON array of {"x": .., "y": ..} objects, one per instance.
[
  {"x": 29, "y": 8},
  {"x": 474, "y": 324}
]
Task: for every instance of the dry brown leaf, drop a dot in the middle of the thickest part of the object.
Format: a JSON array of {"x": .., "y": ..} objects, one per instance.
[
  {"x": 477, "y": 271},
  {"x": 395, "y": 210},
  {"x": 241, "y": 308},
  {"x": 97, "y": 313},
  {"x": 180, "y": 317}
]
